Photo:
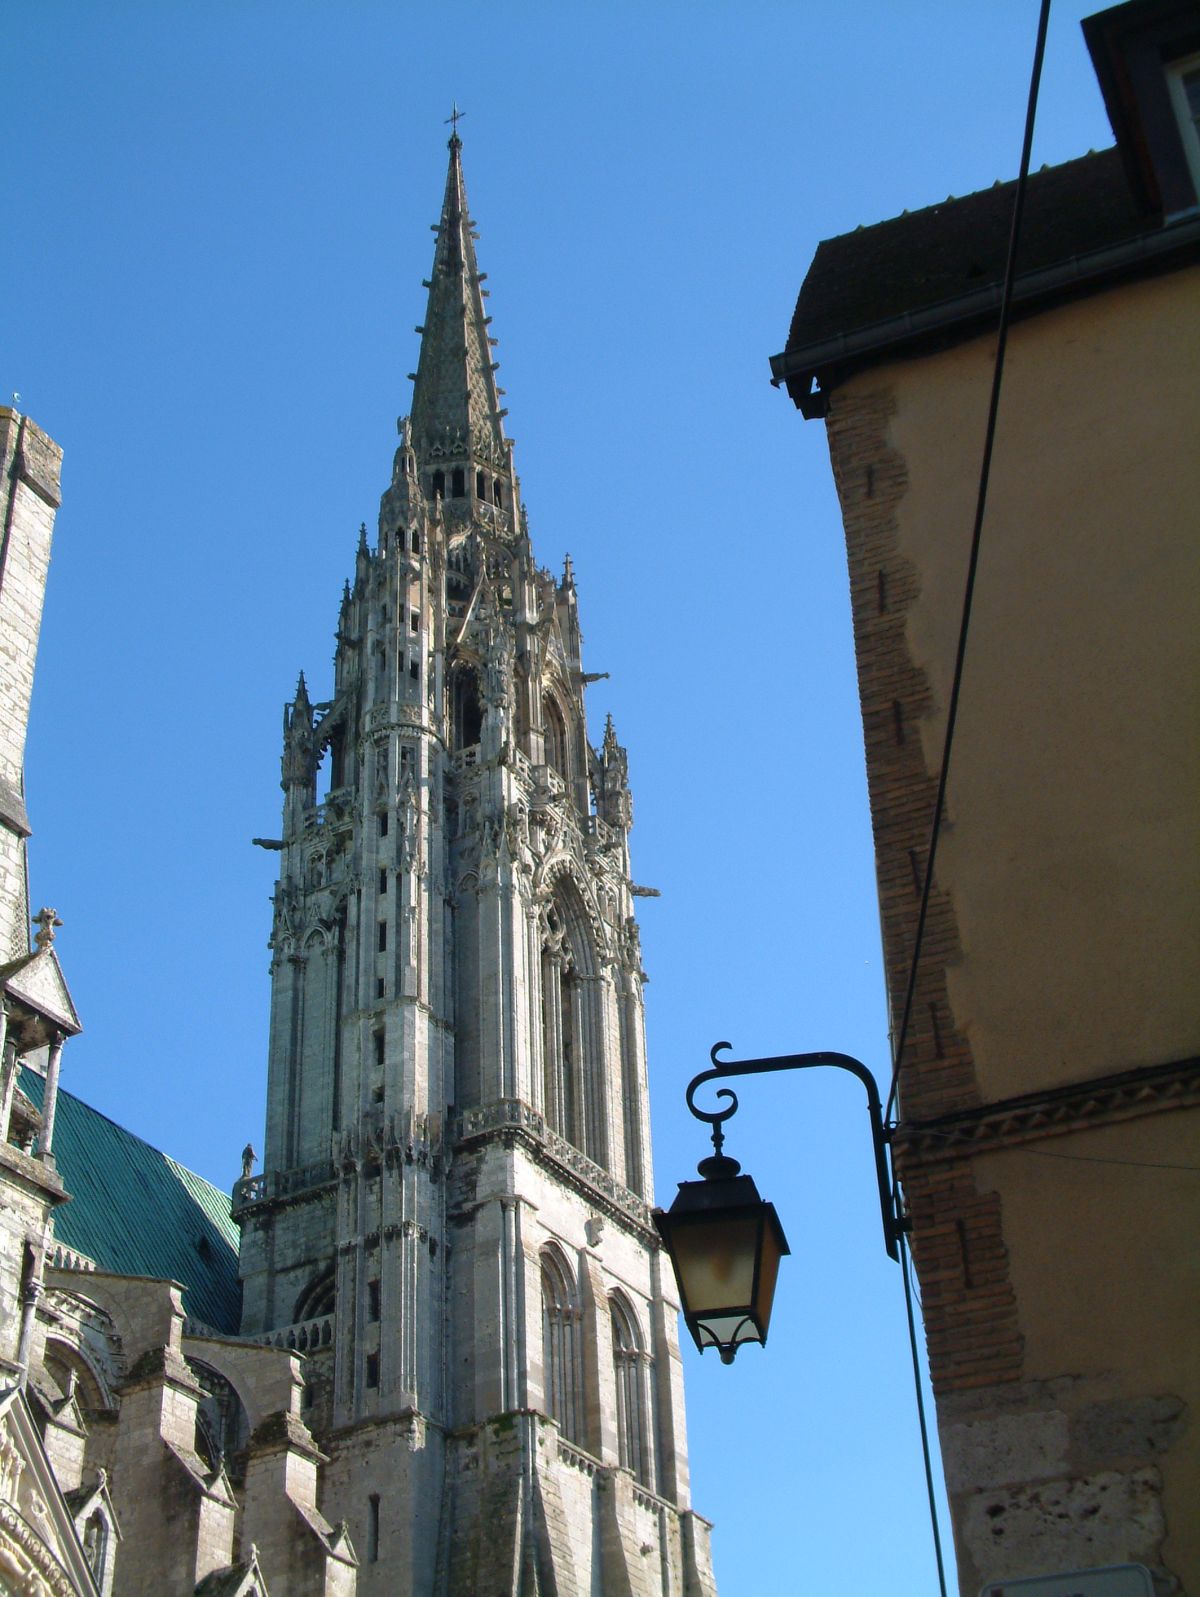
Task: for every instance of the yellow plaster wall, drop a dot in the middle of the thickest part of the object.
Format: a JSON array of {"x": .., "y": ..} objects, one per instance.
[{"x": 1072, "y": 855}]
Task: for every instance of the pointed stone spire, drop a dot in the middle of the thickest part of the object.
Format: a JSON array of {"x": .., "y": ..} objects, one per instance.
[
  {"x": 299, "y": 753},
  {"x": 456, "y": 406}
]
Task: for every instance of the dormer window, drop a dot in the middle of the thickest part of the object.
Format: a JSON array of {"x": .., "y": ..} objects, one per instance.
[
  {"x": 1147, "y": 60},
  {"x": 1183, "y": 82}
]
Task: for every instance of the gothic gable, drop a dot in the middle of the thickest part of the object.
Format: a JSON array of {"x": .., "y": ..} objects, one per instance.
[
  {"x": 40, "y": 1549},
  {"x": 36, "y": 983}
]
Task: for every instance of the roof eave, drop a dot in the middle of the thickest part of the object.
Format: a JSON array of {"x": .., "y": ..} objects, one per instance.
[{"x": 811, "y": 371}]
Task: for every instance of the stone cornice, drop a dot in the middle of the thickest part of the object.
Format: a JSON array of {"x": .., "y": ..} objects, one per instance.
[
  {"x": 33, "y": 1172},
  {"x": 511, "y": 1122},
  {"x": 1078, "y": 1106}
]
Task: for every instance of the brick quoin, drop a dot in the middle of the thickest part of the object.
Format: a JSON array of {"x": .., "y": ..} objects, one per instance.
[{"x": 967, "y": 1298}]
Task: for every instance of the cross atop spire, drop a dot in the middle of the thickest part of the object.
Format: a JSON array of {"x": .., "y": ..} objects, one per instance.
[
  {"x": 454, "y": 119},
  {"x": 456, "y": 411}
]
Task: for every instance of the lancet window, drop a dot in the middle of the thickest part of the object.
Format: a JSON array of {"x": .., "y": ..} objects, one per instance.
[
  {"x": 562, "y": 1353},
  {"x": 571, "y": 1046},
  {"x": 632, "y": 1375},
  {"x": 465, "y": 709},
  {"x": 631, "y": 1092},
  {"x": 555, "y": 731},
  {"x": 317, "y": 1298}
]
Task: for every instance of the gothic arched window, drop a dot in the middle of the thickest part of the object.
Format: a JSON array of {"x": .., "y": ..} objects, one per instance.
[
  {"x": 458, "y": 482},
  {"x": 562, "y": 1355},
  {"x": 555, "y": 730},
  {"x": 466, "y": 712},
  {"x": 318, "y": 1297},
  {"x": 572, "y": 1048},
  {"x": 631, "y": 1374}
]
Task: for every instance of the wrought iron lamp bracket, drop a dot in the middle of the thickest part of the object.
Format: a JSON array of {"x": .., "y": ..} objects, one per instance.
[{"x": 720, "y": 1163}]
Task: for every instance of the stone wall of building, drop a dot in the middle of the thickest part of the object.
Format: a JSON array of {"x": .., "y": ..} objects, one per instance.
[{"x": 30, "y": 465}]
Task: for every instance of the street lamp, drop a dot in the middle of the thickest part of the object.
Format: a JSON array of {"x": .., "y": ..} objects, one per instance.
[{"x": 723, "y": 1240}]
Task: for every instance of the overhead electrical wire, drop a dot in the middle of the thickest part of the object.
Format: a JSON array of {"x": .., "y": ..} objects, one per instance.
[
  {"x": 926, "y": 1453},
  {"x": 973, "y": 560},
  {"x": 1039, "y": 53},
  {"x": 1074, "y": 1158}
]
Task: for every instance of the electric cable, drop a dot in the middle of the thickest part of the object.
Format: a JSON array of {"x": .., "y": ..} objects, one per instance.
[
  {"x": 921, "y": 1420},
  {"x": 973, "y": 560},
  {"x": 1075, "y": 1158},
  {"x": 948, "y": 740},
  {"x": 1093, "y": 1158}
]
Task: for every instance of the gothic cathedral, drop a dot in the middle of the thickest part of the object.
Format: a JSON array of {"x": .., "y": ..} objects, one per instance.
[{"x": 452, "y": 1222}]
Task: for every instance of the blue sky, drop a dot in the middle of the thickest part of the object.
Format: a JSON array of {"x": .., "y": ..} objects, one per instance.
[{"x": 217, "y": 226}]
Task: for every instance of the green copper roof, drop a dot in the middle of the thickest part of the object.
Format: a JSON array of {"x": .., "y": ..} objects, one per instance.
[{"x": 136, "y": 1212}]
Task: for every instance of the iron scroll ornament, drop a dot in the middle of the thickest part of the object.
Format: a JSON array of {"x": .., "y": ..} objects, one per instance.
[{"x": 894, "y": 1225}]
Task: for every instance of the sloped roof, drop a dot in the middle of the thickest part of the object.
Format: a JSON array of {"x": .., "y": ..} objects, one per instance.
[
  {"x": 928, "y": 279},
  {"x": 927, "y": 257},
  {"x": 136, "y": 1211}
]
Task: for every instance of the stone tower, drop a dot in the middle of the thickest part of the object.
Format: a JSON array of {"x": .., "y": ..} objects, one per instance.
[{"x": 452, "y": 1217}]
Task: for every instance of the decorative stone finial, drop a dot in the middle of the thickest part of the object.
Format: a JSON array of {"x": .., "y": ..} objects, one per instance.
[{"x": 46, "y": 920}]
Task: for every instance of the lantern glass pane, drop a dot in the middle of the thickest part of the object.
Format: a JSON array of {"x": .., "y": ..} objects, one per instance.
[
  {"x": 772, "y": 1249},
  {"x": 719, "y": 1330},
  {"x": 715, "y": 1261}
]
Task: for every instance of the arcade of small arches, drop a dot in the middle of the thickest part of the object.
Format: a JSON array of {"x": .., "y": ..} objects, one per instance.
[
  {"x": 566, "y": 1367},
  {"x": 488, "y": 490}
]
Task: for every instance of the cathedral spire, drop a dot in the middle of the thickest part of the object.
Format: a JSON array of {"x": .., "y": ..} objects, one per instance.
[{"x": 456, "y": 408}]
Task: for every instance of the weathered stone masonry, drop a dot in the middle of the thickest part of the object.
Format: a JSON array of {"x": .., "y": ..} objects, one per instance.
[{"x": 452, "y": 1218}]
